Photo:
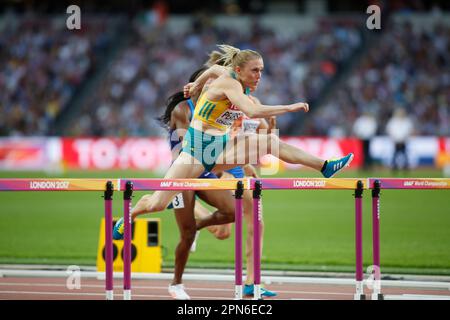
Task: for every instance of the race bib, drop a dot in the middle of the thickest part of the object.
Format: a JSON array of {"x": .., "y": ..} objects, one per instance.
[
  {"x": 250, "y": 126},
  {"x": 228, "y": 117},
  {"x": 178, "y": 202}
]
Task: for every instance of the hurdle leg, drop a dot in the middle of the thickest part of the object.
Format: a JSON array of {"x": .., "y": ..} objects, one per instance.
[
  {"x": 376, "y": 293},
  {"x": 359, "y": 294},
  {"x": 108, "y": 241},
  {"x": 127, "y": 241},
  {"x": 238, "y": 241},
  {"x": 257, "y": 240}
]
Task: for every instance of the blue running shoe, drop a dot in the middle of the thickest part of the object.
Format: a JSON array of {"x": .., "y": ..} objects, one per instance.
[
  {"x": 118, "y": 230},
  {"x": 335, "y": 165},
  {"x": 248, "y": 291}
]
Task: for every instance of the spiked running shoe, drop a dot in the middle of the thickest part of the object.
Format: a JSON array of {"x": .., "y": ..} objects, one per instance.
[
  {"x": 118, "y": 230},
  {"x": 177, "y": 292},
  {"x": 249, "y": 291},
  {"x": 335, "y": 165}
]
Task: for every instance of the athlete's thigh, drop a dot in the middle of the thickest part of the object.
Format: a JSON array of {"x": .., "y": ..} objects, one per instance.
[
  {"x": 244, "y": 149},
  {"x": 220, "y": 199},
  {"x": 200, "y": 211},
  {"x": 184, "y": 167},
  {"x": 185, "y": 214}
]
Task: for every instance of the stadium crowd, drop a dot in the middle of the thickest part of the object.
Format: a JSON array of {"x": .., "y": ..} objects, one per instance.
[
  {"x": 159, "y": 62},
  {"x": 41, "y": 65},
  {"x": 409, "y": 68}
]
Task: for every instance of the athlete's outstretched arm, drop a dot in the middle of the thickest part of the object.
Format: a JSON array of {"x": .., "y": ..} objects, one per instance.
[{"x": 233, "y": 90}]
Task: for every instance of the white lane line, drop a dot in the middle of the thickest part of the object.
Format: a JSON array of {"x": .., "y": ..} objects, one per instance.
[
  {"x": 119, "y": 296},
  {"x": 165, "y": 288},
  {"x": 416, "y": 297},
  {"x": 230, "y": 278}
]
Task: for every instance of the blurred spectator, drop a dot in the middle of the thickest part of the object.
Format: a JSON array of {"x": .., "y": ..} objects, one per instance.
[
  {"x": 365, "y": 128},
  {"x": 399, "y": 128},
  {"x": 41, "y": 65},
  {"x": 158, "y": 61},
  {"x": 408, "y": 68}
]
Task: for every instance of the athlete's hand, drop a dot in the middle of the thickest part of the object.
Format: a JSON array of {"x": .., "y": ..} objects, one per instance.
[
  {"x": 250, "y": 171},
  {"x": 272, "y": 122},
  {"x": 187, "y": 89},
  {"x": 298, "y": 107},
  {"x": 196, "y": 88}
]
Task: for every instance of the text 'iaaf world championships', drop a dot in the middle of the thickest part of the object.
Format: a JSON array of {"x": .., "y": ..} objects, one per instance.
[
  {"x": 427, "y": 183},
  {"x": 184, "y": 184}
]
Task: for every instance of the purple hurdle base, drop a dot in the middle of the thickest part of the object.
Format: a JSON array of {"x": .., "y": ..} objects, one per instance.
[
  {"x": 359, "y": 294},
  {"x": 108, "y": 242},
  {"x": 376, "y": 292},
  {"x": 238, "y": 242},
  {"x": 127, "y": 241},
  {"x": 257, "y": 240}
]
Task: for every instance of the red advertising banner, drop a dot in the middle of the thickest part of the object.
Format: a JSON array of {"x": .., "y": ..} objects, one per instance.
[
  {"x": 154, "y": 153},
  {"x": 327, "y": 148},
  {"x": 54, "y": 153},
  {"x": 31, "y": 153},
  {"x": 114, "y": 153}
]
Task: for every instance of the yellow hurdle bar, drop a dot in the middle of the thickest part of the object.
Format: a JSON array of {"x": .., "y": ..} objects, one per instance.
[{"x": 183, "y": 184}]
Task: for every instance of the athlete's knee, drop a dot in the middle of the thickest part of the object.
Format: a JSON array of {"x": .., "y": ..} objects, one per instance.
[
  {"x": 187, "y": 233},
  {"x": 228, "y": 212},
  {"x": 230, "y": 217}
]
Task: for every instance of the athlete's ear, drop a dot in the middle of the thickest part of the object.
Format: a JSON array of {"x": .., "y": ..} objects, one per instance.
[{"x": 237, "y": 69}]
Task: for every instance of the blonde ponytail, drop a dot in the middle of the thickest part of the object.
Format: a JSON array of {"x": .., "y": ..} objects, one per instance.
[
  {"x": 231, "y": 56},
  {"x": 215, "y": 57}
]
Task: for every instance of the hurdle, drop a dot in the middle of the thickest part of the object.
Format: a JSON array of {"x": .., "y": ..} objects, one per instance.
[
  {"x": 238, "y": 241},
  {"x": 239, "y": 185},
  {"x": 376, "y": 184},
  {"x": 131, "y": 185},
  {"x": 109, "y": 241},
  {"x": 308, "y": 183},
  {"x": 104, "y": 185}
]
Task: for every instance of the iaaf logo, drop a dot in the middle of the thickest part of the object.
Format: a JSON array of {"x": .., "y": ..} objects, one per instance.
[
  {"x": 166, "y": 184},
  {"x": 408, "y": 183}
]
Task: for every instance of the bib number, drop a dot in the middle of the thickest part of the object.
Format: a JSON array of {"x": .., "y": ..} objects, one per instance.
[
  {"x": 228, "y": 117},
  {"x": 178, "y": 202}
]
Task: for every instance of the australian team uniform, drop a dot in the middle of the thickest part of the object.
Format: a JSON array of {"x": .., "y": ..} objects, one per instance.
[
  {"x": 175, "y": 143},
  {"x": 206, "y": 148}
]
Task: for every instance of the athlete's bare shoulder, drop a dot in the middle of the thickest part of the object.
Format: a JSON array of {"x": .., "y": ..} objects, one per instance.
[
  {"x": 180, "y": 116},
  {"x": 216, "y": 89}
]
